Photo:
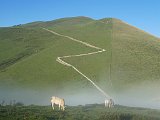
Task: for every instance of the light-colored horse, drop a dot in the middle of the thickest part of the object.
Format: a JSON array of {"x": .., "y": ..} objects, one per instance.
[
  {"x": 109, "y": 103},
  {"x": 58, "y": 101}
]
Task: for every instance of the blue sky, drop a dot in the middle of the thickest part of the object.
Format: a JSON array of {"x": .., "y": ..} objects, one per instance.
[{"x": 143, "y": 14}]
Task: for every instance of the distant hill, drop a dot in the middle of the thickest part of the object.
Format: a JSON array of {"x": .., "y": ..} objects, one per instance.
[{"x": 28, "y": 60}]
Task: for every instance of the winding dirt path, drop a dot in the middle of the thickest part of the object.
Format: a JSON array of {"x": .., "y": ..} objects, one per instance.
[{"x": 59, "y": 59}]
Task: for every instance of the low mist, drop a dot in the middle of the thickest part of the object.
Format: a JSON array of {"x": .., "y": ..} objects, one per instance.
[{"x": 142, "y": 95}]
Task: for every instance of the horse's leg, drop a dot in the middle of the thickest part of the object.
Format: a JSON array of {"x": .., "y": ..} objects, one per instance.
[
  {"x": 110, "y": 105},
  {"x": 62, "y": 107},
  {"x": 59, "y": 107},
  {"x": 52, "y": 105}
]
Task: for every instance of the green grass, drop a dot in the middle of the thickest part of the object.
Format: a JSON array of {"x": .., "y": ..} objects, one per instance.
[
  {"x": 28, "y": 56},
  {"x": 43, "y": 68},
  {"x": 135, "y": 55},
  {"x": 17, "y": 43},
  {"x": 88, "y": 112}
]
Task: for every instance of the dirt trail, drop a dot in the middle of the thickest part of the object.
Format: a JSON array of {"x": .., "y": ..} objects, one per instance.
[{"x": 59, "y": 59}]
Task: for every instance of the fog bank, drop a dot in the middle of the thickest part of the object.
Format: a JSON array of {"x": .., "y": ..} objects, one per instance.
[{"x": 143, "y": 95}]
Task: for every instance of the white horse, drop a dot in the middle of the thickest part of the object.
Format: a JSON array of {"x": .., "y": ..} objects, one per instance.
[
  {"x": 58, "y": 101},
  {"x": 109, "y": 103}
]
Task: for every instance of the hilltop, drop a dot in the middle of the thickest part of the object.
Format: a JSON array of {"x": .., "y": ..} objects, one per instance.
[{"x": 28, "y": 61}]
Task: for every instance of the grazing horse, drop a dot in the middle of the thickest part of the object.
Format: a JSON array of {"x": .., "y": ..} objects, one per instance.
[
  {"x": 109, "y": 103},
  {"x": 58, "y": 101}
]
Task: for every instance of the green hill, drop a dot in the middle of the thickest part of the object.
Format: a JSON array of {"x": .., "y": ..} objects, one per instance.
[{"x": 28, "y": 61}]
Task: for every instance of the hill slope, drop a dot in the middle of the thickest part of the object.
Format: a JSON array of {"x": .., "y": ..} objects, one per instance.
[
  {"x": 89, "y": 112},
  {"x": 30, "y": 63}
]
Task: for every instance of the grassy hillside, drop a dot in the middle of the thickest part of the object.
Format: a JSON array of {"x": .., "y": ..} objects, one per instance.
[
  {"x": 139, "y": 51},
  {"x": 135, "y": 55},
  {"x": 88, "y": 112},
  {"x": 17, "y": 43},
  {"x": 28, "y": 58}
]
